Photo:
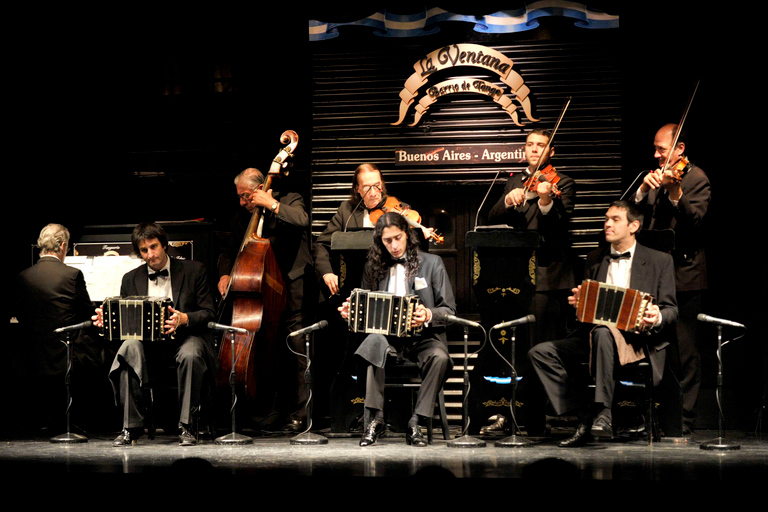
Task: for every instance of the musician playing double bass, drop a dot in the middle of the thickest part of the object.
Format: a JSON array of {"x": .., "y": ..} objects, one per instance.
[
  {"x": 396, "y": 265},
  {"x": 669, "y": 202},
  {"x": 286, "y": 226},
  {"x": 558, "y": 364}
]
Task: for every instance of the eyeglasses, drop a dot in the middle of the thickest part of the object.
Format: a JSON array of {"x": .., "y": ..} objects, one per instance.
[{"x": 367, "y": 188}]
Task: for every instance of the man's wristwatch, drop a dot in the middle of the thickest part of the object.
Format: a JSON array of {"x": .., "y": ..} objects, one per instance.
[{"x": 274, "y": 206}]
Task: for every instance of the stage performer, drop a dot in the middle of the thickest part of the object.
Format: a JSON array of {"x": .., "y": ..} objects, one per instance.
[
  {"x": 681, "y": 205},
  {"x": 548, "y": 214},
  {"x": 368, "y": 192},
  {"x": 396, "y": 265},
  {"x": 286, "y": 225},
  {"x": 558, "y": 364},
  {"x": 186, "y": 283},
  {"x": 50, "y": 295}
]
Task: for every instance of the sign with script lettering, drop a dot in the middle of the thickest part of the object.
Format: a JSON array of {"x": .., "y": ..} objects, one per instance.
[
  {"x": 463, "y": 55},
  {"x": 476, "y": 154}
]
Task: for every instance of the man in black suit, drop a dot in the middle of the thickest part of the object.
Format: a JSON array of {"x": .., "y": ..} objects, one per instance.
[
  {"x": 50, "y": 295},
  {"x": 286, "y": 225},
  {"x": 186, "y": 283},
  {"x": 558, "y": 364},
  {"x": 367, "y": 193},
  {"x": 668, "y": 202},
  {"x": 397, "y": 266},
  {"x": 547, "y": 209}
]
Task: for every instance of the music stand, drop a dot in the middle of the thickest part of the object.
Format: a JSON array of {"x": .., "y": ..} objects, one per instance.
[
  {"x": 68, "y": 437},
  {"x": 466, "y": 441},
  {"x": 308, "y": 437},
  {"x": 233, "y": 438},
  {"x": 719, "y": 443}
]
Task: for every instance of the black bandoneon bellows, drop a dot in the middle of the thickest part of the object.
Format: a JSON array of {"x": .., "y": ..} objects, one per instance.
[
  {"x": 135, "y": 318},
  {"x": 382, "y": 313}
]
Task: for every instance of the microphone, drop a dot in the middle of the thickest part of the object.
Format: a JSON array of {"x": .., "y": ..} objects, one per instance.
[
  {"x": 81, "y": 325},
  {"x": 462, "y": 321},
  {"x": 519, "y": 321},
  {"x": 322, "y": 324},
  {"x": 219, "y": 327},
  {"x": 477, "y": 215},
  {"x": 712, "y": 320}
]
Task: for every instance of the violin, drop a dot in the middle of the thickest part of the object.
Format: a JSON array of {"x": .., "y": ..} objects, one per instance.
[
  {"x": 392, "y": 204},
  {"x": 678, "y": 170},
  {"x": 547, "y": 174}
]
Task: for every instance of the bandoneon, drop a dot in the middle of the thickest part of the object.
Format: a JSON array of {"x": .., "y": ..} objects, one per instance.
[
  {"x": 382, "y": 313},
  {"x": 135, "y": 318},
  {"x": 605, "y": 304}
]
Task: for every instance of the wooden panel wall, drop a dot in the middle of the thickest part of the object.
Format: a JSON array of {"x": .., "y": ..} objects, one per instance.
[{"x": 355, "y": 100}]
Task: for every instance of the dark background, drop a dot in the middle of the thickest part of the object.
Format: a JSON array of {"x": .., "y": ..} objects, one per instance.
[{"x": 94, "y": 137}]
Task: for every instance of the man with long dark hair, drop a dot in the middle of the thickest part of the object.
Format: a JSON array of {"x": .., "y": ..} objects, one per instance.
[{"x": 397, "y": 266}]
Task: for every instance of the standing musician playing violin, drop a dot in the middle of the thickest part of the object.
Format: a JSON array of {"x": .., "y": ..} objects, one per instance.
[
  {"x": 286, "y": 225},
  {"x": 544, "y": 205},
  {"x": 676, "y": 196}
]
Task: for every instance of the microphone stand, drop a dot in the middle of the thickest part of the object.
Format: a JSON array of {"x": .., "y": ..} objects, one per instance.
[
  {"x": 719, "y": 443},
  {"x": 308, "y": 437},
  {"x": 68, "y": 437},
  {"x": 513, "y": 441},
  {"x": 466, "y": 441},
  {"x": 234, "y": 438}
]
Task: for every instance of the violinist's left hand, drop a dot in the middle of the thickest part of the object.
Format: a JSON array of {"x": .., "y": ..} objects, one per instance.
[{"x": 427, "y": 232}]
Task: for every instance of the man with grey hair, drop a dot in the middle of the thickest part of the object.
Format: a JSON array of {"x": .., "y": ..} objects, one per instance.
[
  {"x": 286, "y": 226},
  {"x": 50, "y": 295}
]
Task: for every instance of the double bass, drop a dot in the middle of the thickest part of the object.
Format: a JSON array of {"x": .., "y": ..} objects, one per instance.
[{"x": 257, "y": 294}]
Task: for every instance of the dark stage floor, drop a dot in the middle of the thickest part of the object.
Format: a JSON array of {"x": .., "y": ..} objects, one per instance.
[{"x": 274, "y": 458}]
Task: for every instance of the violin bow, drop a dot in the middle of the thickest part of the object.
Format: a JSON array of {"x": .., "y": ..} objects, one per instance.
[
  {"x": 680, "y": 125},
  {"x": 554, "y": 131}
]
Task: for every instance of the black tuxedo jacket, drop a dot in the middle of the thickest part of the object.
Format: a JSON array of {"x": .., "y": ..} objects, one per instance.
[
  {"x": 652, "y": 272},
  {"x": 432, "y": 285},
  {"x": 554, "y": 269},
  {"x": 52, "y": 295},
  {"x": 324, "y": 264},
  {"x": 687, "y": 221},
  {"x": 191, "y": 294}
]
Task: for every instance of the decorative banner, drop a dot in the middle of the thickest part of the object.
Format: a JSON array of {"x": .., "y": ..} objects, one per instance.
[
  {"x": 427, "y": 20},
  {"x": 473, "y": 55}
]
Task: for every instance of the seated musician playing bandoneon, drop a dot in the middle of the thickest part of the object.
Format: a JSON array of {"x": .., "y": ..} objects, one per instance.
[
  {"x": 559, "y": 364},
  {"x": 396, "y": 265}
]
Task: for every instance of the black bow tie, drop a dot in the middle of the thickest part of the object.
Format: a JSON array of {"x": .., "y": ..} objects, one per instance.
[
  {"x": 154, "y": 275},
  {"x": 400, "y": 261},
  {"x": 620, "y": 256}
]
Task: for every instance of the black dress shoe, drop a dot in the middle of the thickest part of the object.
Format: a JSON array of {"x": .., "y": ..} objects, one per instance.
[
  {"x": 293, "y": 427},
  {"x": 128, "y": 437},
  {"x": 602, "y": 427},
  {"x": 186, "y": 438},
  {"x": 373, "y": 432},
  {"x": 580, "y": 438},
  {"x": 414, "y": 437}
]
